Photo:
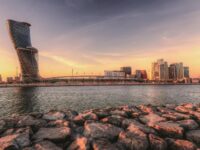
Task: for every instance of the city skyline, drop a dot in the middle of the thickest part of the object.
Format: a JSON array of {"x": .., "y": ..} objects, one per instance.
[{"x": 71, "y": 36}]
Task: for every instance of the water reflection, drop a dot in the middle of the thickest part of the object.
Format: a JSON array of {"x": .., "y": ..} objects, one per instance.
[
  {"x": 25, "y": 99},
  {"x": 33, "y": 99}
]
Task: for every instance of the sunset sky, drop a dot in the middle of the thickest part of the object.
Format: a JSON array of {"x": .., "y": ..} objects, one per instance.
[{"x": 95, "y": 35}]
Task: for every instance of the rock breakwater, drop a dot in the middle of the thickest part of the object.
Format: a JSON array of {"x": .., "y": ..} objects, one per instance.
[{"x": 143, "y": 127}]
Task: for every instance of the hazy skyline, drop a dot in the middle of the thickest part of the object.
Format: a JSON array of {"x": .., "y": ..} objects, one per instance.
[{"x": 95, "y": 35}]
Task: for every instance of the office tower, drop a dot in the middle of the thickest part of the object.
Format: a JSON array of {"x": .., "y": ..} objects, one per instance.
[
  {"x": 141, "y": 74},
  {"x": 160, "y": 70},
  {"x": 176, "y": 71},
  {"x": 127, "y": 70},
  {"x": 186, "y": 72},
  {"x": 28, "y": 56},
  {"x": 172, "y": 72}
]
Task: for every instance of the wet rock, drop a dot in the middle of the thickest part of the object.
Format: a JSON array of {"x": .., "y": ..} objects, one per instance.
[
  {"x": 58, "y": 123},
  {"x": 99, "y": 130},
  {"x": 102, "y": 144},
  {"x": 46, "y": 145},
  {"x": 80, "y": 143},
  {"x": 119, "y": 113},
  {"x": 134, "y": 140},
  {"x": 175, "y": 116},
  {"x": 157, "y": 143},
  {"x": 54, "y": 115},
  {"x": 89, "y": 116},
  {"x": 169, "y": 129},
  {"x": 31, "y": 121},
  {"x": 70, "y": 114},
  {"x": 8, "y": 142},
  {"x": 54, "y": 134},
  {"x": 102, "y": 114},
  {"x": 14, "y": 141},
  {"x": 188, "y": 124},
  {"x": 2, "y": 126},
  {"x": 190, "y": 106},
  {"x": 147, "y": 108},
  {"x": 79, "y": 120},
  {"x": 151, "y": 119},
  {"x": 194, "y": 135},
  {"x": 115, "y": 120},
  {"x": 181, "y": 109},
  {"x": 170, "y": 106},
  {"x": 177, "y": 144},
  {"x": 135, "y": 125}
]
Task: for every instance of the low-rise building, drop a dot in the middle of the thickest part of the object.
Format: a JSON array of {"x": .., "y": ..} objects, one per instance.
[
  {"x": 10, "y": 80},
  {"x": 127, "y": 70},
  {"x": 114, "y": 74},
  {"x": 141, "y": 74}
]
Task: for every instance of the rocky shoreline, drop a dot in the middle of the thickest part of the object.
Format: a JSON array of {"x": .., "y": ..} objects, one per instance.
[{"x": 143, "y": 127}]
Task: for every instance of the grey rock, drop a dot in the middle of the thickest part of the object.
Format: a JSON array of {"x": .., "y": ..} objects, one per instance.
[
  {"x": 177, "y": 144},
  {"x": 194, "y": 135},
  {"x": 188, "y": 124},
  {"x": 151, "y": 119},
  {"x": 169, "y": 129},
  {"x": 102, "y": 144},
  {"x": 99, "y": 130},
  {"x": 54, "y": 115},
  {"x": 114, "y": 119},
  {"x": 56, "y": 134},
  {"x": 157, "y": 143},
  {"x": 80, "y": 143},
  {"x": 134, "y": 140},
  {"x": 46, "y": 145}
]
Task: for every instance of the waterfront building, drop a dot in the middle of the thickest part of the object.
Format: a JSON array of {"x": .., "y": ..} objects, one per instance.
[
  {"x": 28, "y": 55},
  {"x": 186, "y": 72},
  {"x": 1, "y": 79},
  {"x": 127, "y": 70},
  {"x": 10, "y": 80},
  {"x": 114, "y": 74},
  {"x": 176, "y": 71},
  {"x": 141, "y": 74},
  {"x": 160, "y": 70}
]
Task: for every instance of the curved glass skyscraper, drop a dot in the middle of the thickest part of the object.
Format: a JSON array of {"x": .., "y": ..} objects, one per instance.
[{"x": 28, "y": 56}]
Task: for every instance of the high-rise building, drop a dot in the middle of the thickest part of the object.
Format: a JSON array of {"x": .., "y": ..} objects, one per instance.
[
  {"x": 160, "y": 70},
  {"x": 176, "y": 71},
  {"x": 172, "y": 72},
  {"x": 28, "y": 56},
  {"x": 127, "y": 70},
  {"x": 141, "y": 74},
  {"x": 186, "y": 72}
]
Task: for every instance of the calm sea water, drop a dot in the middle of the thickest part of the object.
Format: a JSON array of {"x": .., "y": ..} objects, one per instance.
[{"x": 32, "y": 99}]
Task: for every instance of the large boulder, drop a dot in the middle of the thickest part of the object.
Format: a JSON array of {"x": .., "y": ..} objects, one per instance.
[
  {"x": 177, "y": 144},
  {"x": 135, "y": 125},
  {"x": 114, "y": 119},
  {"x": 99, "y": 130},
  {"x": 18, "y": 140},
  {"x": 157, "y": 143},
  {"x": 102, "y": 144},
  {"x": 194, "y": 135},
  {"x": 134, "y": 140},
  {"x": 54, "y": 115},
  {"x": 46, "y": 145},
  {"x": 169, "y": 129},
  {"x": 188, "y": 124},
  {"x": 31, "y": 121},
  {"x": 56, "y": 134},
  {"x": 151, "y": 119}
]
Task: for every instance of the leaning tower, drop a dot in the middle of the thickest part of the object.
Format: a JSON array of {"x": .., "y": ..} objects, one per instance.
[{"x": 28, "y": 55}]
